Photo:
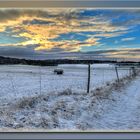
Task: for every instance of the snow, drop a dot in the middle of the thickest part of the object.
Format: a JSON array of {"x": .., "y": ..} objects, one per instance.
[
  {"x": 124, "y": 114},
  {"x": 22, "y": 80},
  {"x": 85, "y": 66},
  {"x": 34, "y": 97}
]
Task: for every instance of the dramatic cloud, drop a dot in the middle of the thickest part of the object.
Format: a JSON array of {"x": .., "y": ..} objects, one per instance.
[
  {"x": 128, "y": 54},
  {"x": 66, "y": 30}
]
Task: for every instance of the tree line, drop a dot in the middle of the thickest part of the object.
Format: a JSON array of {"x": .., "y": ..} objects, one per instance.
[{"x": 55, "y": 62}]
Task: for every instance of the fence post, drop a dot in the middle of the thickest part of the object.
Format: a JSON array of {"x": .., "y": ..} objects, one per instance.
[
  {"x": 117, "y": 74},
  {"x": 130, "y": 72},
  {"x": 88, "y": 85},
  {"x": 133, "y": 71}
]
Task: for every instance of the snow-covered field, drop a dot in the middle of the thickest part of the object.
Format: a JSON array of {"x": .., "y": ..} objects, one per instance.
[
  {"x": 35, "y": 97},
  {"x": 22, "y": 80}
]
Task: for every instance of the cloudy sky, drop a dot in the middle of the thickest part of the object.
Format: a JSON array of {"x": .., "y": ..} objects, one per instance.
[{"x": 43, "y": 33}]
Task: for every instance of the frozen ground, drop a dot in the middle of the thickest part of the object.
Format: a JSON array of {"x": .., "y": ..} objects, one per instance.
[
  {"x": 17, "y": 81},
  {"x": 33, "y": 97},
  {"x": 124, "y": 113}
]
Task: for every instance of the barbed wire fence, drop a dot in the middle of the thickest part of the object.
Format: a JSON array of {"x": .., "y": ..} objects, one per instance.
[
  {"x": 120, "y": 72},
  {"x": 85, "y": 78}
]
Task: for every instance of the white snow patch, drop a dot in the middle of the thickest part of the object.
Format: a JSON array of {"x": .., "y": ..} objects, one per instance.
[{"x": 34, "y": 97}]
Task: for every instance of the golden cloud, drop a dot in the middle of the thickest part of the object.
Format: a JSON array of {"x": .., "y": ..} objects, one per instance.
[
  {"x": 128, "y": 53},
  {"x": 64, "y": 22}
]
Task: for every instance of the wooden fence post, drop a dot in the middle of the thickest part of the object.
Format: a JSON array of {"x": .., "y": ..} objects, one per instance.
[
  {"x": 88, "y": 85},
  {"x": 133, "y": 71},
  {"x": 117, "y": 74},
  {"x": 130, "y": 72}
]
